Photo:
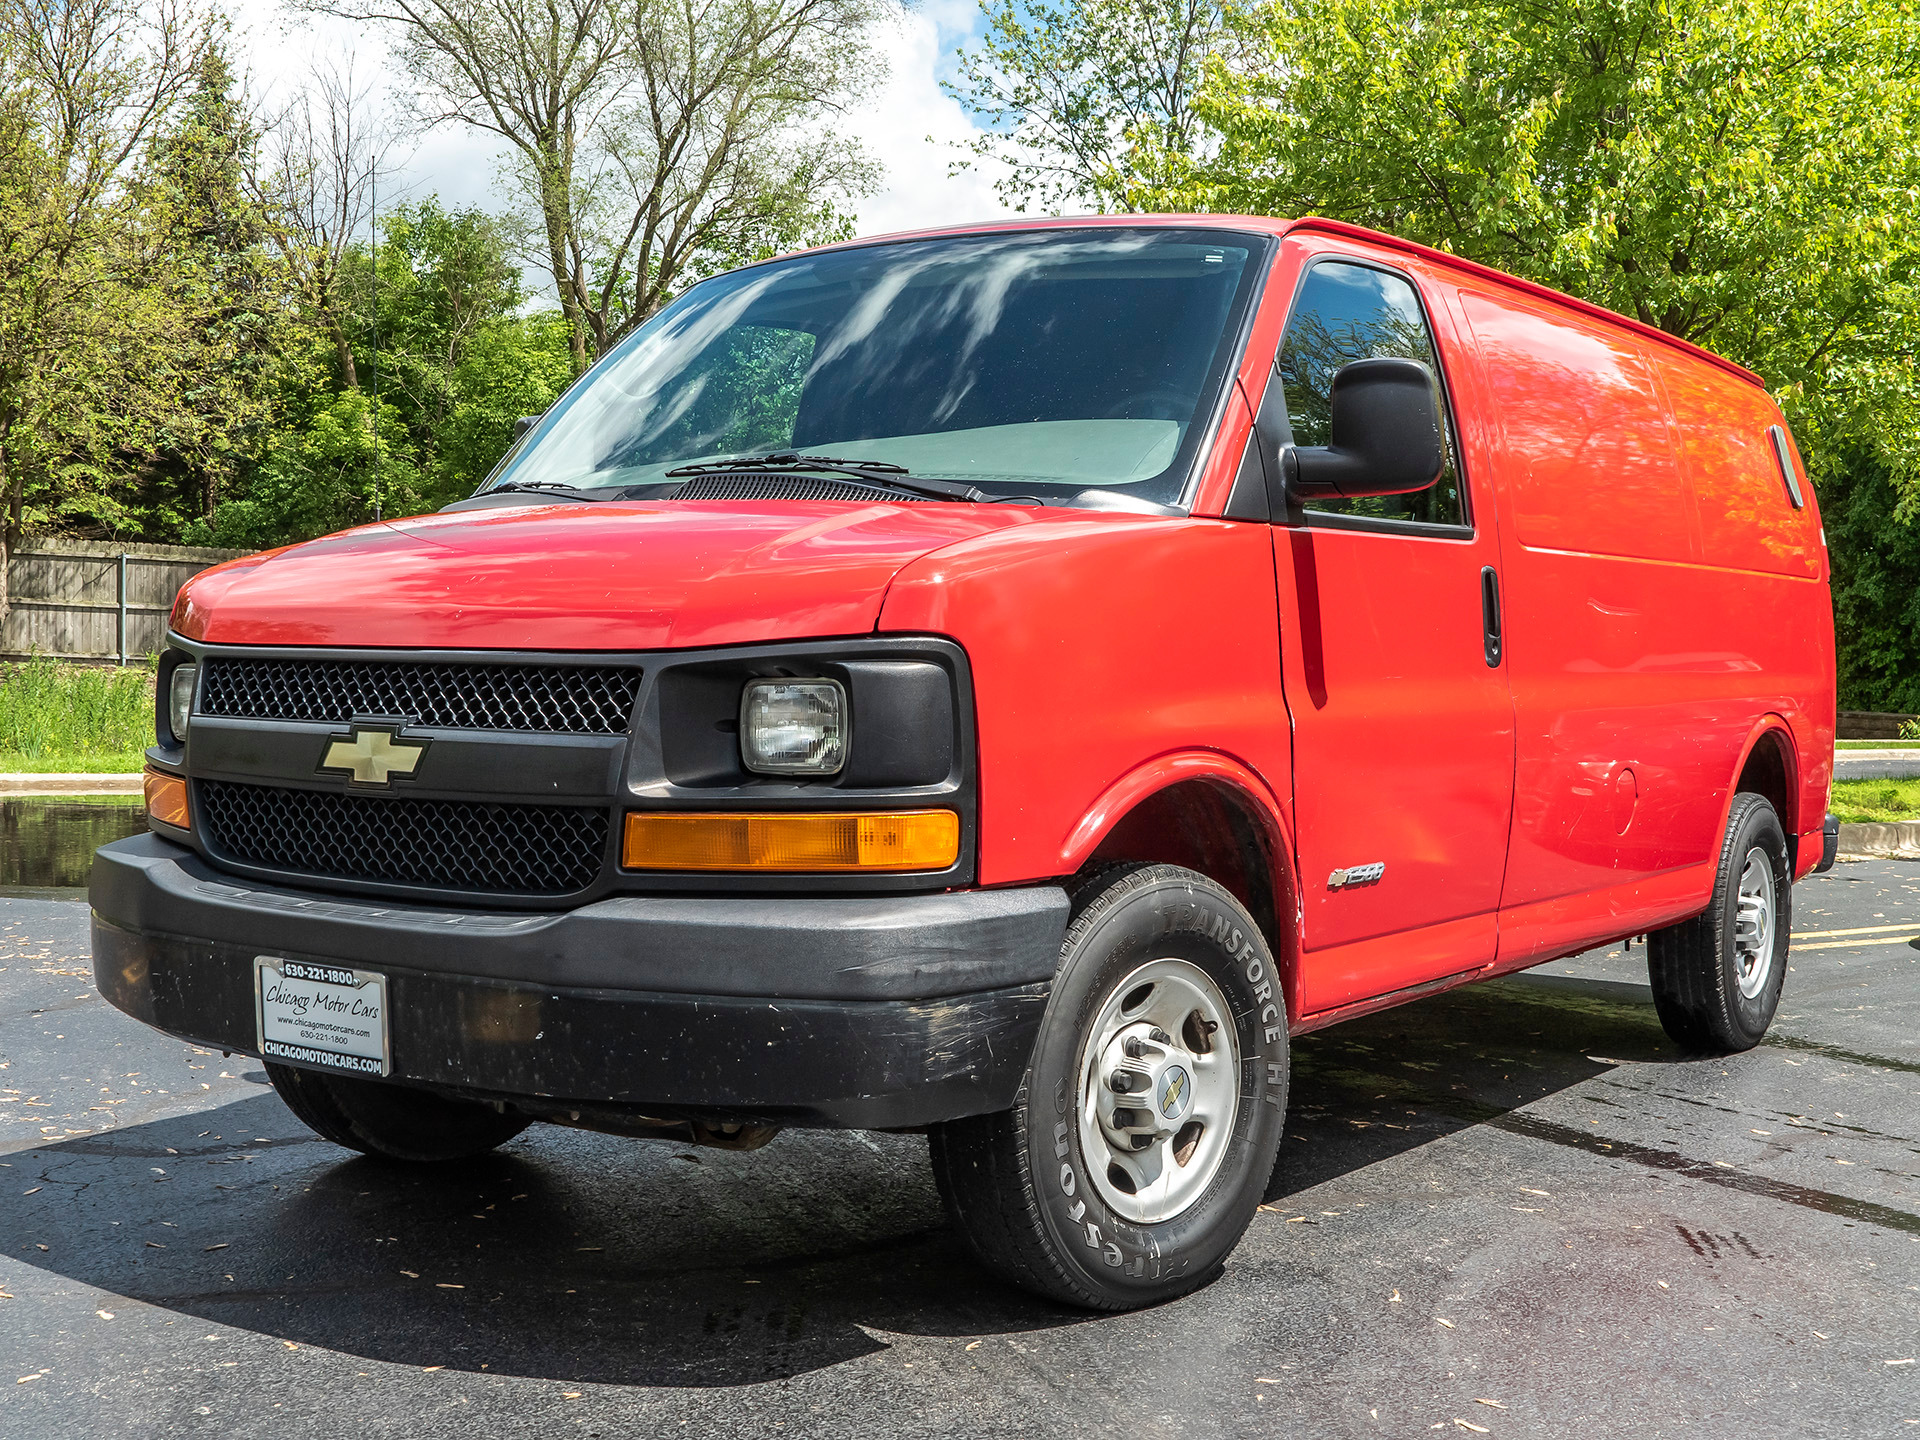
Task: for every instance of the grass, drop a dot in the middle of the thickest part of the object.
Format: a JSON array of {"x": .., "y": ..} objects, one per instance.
[
  {"x": 1883, "y": 802},
  {"x": 1876, "y": 744},
  {"x": 56, "y": 717}
]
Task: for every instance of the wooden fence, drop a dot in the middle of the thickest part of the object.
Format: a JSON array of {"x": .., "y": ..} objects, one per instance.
[{"x": 93, "y": 600}]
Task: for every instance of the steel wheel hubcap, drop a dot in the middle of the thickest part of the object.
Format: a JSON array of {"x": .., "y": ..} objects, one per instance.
[
  {"x": 1159, "y": 1090},
  {"x": 1753, "y": 924}
]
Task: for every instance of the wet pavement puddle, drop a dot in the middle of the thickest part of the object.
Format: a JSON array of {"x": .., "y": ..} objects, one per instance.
[{"x": 47, "y": 841}]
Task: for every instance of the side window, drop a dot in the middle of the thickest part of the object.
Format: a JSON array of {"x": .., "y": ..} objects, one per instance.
[{"x": 1350, "y": 312}]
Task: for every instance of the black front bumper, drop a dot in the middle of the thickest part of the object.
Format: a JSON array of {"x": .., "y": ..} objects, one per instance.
[{"x": 874, "y": 1012}]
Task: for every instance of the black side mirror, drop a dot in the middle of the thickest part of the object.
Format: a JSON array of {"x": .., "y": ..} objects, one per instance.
[
  {"x": 524, "y": 424},
  {"x": 1386, "y": 435}
]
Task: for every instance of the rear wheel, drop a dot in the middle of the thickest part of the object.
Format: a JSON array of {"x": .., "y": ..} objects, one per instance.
[
  {"x": 1716, "y": 978},
  {"x": 391, "y": 1121},
  {"x": 1146, "y": 1127}
]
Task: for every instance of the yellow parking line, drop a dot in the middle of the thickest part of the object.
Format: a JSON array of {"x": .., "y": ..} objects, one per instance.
[
  {"x": 1857, "y": 930},
  {"x": 1860, "y": 944}
]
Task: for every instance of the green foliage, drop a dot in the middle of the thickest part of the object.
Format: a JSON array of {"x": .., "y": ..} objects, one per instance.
[
  {"x": 457, "y": 365},
  {"x": 83, "y": 714},
  {"x": 1740, "y": 173},
  {"x": 512, "y": 367},
  {"x": 1876, "y": 583},
  {"x": 1088, "y": 102}
]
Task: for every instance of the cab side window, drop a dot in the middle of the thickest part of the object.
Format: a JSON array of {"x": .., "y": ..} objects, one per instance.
[{"x": 1346, "y": 312}]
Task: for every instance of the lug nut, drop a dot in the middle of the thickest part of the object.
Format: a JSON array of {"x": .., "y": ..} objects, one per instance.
[
  {"x": 1159, "y": 1036},
  {"x": 1125, "y": 1082},
  {"x": 1125, "y": 1118},
  {"x": 1138, "y": 1049}
]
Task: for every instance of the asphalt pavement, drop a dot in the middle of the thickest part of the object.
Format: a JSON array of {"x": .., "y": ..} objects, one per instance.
[
  {"x": 1514, "y": 1210},
  {"x": 1876, "y": 764}
]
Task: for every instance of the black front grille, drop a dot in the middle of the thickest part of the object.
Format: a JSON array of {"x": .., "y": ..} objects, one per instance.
[
  {"x": 786, "y": 487},
  {"x": 442, "y": 844},
  {"x": 558, "y": 699}
]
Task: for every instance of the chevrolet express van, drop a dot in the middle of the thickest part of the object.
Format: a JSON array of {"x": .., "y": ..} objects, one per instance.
[{"x": 1002, "y": 683}]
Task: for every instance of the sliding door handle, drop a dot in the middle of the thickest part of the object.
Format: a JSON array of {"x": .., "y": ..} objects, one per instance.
[{"x": 1490, "y": 614}]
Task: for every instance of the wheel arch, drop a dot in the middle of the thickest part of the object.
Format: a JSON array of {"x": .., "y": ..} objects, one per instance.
[
  {"x": 1208, "y": 813},
  {"x": 1770, "y": 766}
]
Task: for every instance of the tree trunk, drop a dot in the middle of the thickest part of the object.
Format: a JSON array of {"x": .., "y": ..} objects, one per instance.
[
  {"x": 8, "y": 479},
  {"x": 349, "y": 376},
  {"x": 556, "y": 212}
]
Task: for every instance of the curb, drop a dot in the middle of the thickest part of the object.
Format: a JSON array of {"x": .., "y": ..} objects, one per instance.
[
  {"x": 1880, "y": 842},
  {"x": 70, "y": 784}
]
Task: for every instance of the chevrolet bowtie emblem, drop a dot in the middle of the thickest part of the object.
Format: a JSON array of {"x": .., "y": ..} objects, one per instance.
[{"x": 372, "y": 757}]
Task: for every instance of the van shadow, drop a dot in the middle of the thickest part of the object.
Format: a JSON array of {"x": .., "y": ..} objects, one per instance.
[
  {"x": 582, "y": 1258},
  {"x": 1376, "y": 1087}
]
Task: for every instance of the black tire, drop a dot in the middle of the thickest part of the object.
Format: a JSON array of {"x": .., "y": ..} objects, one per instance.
[
  {"x": 1695, "y": 967},
  {"x": 1016, "y": 1183},
  {"x": 391, "y": 1122}
]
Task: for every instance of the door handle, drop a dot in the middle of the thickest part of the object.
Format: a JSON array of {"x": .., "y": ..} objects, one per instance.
[{"x": 1490, "y": 614}]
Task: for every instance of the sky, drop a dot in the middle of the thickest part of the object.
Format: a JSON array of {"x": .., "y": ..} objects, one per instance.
[{"x": 908, "y": 124}]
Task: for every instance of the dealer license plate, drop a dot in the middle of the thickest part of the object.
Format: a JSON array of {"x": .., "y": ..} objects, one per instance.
[{"x": 324, "y": 1016}]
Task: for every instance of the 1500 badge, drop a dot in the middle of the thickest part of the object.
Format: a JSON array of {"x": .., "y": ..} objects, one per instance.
[{"x": 1356, "y": 875}]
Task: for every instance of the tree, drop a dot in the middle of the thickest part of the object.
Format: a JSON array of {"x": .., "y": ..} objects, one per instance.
[
  {"x": 650, "y": 136},
  {"x": 209, "y": 261},
  {"x": 1740, "y": 173},
  {"x": 90, "y": 369},
  {"x": 458, "y": 364},
  {"x": 1086, "y": 101},
  {"x": 327, "y": 152}
]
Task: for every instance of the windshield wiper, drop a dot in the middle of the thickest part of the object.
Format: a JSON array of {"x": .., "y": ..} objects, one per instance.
[
  {"x": 873, "y": 472},
  {"x": 545, "y": 487}
]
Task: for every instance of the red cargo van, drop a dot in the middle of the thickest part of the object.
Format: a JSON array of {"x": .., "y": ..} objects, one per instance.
[{"x": 1002, "y": 683}]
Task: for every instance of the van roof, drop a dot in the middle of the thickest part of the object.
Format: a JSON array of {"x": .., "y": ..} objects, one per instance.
[{"x": 1271, "y": 226}]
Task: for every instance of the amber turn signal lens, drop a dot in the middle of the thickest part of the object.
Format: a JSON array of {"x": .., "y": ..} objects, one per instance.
[
  {"x": 906, "y": 840},
  {"x": 166, "y": 799}
]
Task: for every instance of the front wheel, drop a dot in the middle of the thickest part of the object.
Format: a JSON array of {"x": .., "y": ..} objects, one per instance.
[
  {"x": 1716, "y": 978},
  {"x": 1147, "y": 1125}
]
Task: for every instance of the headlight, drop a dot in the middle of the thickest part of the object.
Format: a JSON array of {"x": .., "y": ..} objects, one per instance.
[
  {"x": 793, "y": 727},
  {"x": 180, "y": 700}
]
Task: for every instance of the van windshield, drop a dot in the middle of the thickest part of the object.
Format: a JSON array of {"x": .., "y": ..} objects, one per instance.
[{"x": 1068, "y": 366}]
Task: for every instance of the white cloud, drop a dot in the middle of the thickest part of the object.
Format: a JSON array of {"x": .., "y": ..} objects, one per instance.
[
  {"x": 908, "y": 123},
  {"x": 913, "y": 128}
]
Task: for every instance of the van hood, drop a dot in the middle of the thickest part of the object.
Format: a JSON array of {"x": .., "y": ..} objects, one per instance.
[{"x": 591, "y": 576}]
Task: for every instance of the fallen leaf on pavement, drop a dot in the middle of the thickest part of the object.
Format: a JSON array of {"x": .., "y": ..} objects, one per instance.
[
  {"x": 1469, "y": 1425},
  {"x": 973, "y": 1344},
  {"x": 289, "y": 1344},
  {"x": 221, "y": 1246},
  {"x": 1263, "y": 1380},
  {"x": 35, "y": 1191},
  {"x": 104, "y": 1314},
  {"x": 443, "y": 1285},
  {"x": 411, "y": 1274},
  {"x": 154, "y": 1244},
  {"x": 1447, "y": 1323},
  {"x": 1494, "y": 1403},
  {"x": 425, "y": 1368},
  {"x": 569, "y": 1394},
  {"x": 1394, "y": 1298}
]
